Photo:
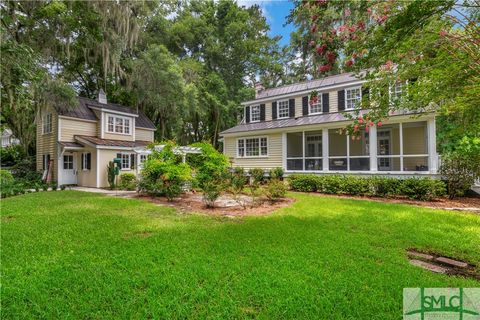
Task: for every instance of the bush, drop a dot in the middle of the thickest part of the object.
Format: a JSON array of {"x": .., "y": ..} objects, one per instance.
[
  {"x": 276, "y": 173},
  {"x": 62, "y": 187},
  {"x": 275, "y": 190},
  {"x": 413, "y": 188},
  {"x": 54, "y": 186},
  {"x": 258, "y": 175},
  {"x": 45, "y": 187},
  {"x": 6, "y": 177},
  {"x": 128, "y": 181},
  {"x": 211, "y": 192},
  {"x": 11, "y": 155}
]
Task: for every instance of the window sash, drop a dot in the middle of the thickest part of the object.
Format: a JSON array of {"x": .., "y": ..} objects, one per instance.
[
  {"x": 352, "y": 98},
  {"x": 125, "y": 161},
  {"x": 47, "y": 123},
  {"x": 316, "y": 107},
  {"x": 118, "y": 125},
  {"x": 252, "y": 147},
  {"x": 283, "y": 109},
  {"x": 254, "y": 113}
]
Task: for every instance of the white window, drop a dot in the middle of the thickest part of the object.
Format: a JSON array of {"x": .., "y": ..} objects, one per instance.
[
  {"x": 254, "y": 113},
  {"x": 252, "y": 147},
  {"x": 283, "y": 109},
  {"x": 143, "y": 158},
  {"x": 353, "y": 97},
  {"x": 125, "y": 161},
  {"x": 117, "y": 124},
  {"x": 47, "y": 123},
  {"x": 396, "y": 91},
  {"x": 68, "y": 162},
  {"x": 315, "y": 107}
]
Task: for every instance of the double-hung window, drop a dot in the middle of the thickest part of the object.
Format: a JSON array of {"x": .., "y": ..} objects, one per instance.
[
  {"x": 117, "y": 124},
  {"x": 353, "y": 98},
  {"x": 396, "y": 91},
  {"x": 317, "y": 106},
  {"x": 125, "y": 161},
  {"x": 283, "y": 109},
  {"x": 252, "y": 147},
  {"x": 45, "y": 161},
  {"x": 254, "y": 113},
  {"x": 47, "y": 123}
]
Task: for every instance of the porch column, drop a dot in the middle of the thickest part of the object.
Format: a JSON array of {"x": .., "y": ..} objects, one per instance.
[
  {"x": 325, "y": 149},
  {"x": 432, "y": 146},
  {"x": 372, "y": 148}
]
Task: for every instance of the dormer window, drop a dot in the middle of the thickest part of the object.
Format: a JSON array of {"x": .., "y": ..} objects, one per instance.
[
  {"x": 353, "y": 98},
  {"x": 283, "y": 109},
  {"x": 116, "y": 124},
  {"x": 254, "y": 113},
  {"x": 396, "y": 91},
  {"x": 315, "y": 105}
]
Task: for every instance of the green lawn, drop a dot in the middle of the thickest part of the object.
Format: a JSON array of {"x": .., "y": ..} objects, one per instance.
[{"x": 69, "y": 255}]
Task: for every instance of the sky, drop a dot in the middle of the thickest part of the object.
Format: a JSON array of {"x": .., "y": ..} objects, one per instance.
[{"x": 276, "y": 12}]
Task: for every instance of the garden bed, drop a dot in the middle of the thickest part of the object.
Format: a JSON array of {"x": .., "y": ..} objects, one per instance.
[
  {"x": 225, "y": 206},
  {"x": 471, "y": 203}
]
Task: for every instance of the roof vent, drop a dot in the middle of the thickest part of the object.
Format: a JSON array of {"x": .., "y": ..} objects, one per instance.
[
  {"x": 102, "y": 96},
  {"x": 258, "y": 88}
]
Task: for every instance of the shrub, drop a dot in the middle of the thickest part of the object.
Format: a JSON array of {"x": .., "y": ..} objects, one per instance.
[
  {"x": 355, "y": 185},
  {"x": 422, "y": 189},
  {"x": 62, "y": 187},
  {"x": 276, "y": 173},
  {"x": 238, "y": 180},
  {"x": 257, "y": 174},
  {"x": 128, "y": 181},
  {"x": 6, "y": 177},
  {"x": 275, "y": 190},
  {"x": 45, "y": 187},
  {"x": 461, "y": 167},
  {"x": 54, "y": 186},
  {"x": 211, "y": 192},
  {"x": 11, "y": 155},
  {"x": 25, "y": 171},
  {"x": 384, "y": 187},
  {"x": 303, "y": 182}
]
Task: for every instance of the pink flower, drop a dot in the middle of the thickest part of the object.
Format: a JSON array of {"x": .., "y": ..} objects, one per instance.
[
  {"x": 342, "y": 28},
  {"x": 361, "y": 25},
  {"x": 369, "y": 10},
  {"x": 349, "y": 63},
  {"x": 314, "y": 28},
  {"x": 443, "y": 33},
  {"x": 352, "y": 28},
  {"x": 312, "y": 43},
  {"x": 321, "y": 49},
  {"x": 347, "y": 13},
  {"x": 379, "y": 124},
  {"x": 325, "y": 68},
  {"x": 355, "y": 128},
  {"x": 366, "y": 129},
  {"x": 388, "y": 65},
  {"x": 331, "y": 56},
  {"x": 360, "y": 120},
  {"x": 372, "y": 124},
  {"x": 314, "y": 17}
]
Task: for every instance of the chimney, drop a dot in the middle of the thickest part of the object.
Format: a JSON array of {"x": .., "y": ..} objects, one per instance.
[
  {"x": 258, "y": 88},
  {"x": 102, "y": 97}
]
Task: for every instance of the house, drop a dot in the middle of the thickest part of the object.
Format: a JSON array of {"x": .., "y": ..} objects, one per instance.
[
  {"x": 280, "y": 128},
  {"x": 75, "y": 146},
  {"x": 8, "y": 139}
]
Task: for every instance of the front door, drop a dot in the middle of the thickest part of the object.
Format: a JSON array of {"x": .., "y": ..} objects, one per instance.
[
  {"x": 384, "y": 149},
  {"x": 69, "y": 169}
]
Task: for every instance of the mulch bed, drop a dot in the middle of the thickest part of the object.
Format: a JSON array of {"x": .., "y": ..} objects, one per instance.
[
  {"x": 470, "y": 203},
  {"x": 192, "y": 202}
]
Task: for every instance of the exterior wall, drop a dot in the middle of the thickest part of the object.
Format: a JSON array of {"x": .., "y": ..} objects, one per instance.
[
  {"x": 47, "y": 143},
  {"x": 104, "y": 157},
  {"x": 143, "y": 134},
  {"x": 274, "y": 158},
  {"x": 70, "y": 127},
  {"x": 87, "y": 178}
]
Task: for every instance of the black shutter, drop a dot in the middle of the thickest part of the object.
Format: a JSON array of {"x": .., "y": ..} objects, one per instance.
[
  {"x": 366, "y": 94},
  {"x": 274, "y": 110},
  {"x": 44, "y": 158},
  {"x": 262, "y": 112},
  {"x": 305, "y": 105},
  {"x": 325, "y": 103},
  {"x": 89, "y": 161},
  {"x": 132, "y": 161},
  {"x": 82, "y": 161},
  {"x": 341, "y": 100},
  {"x": 247, "y": 114},
  {"x": 291, "y": 108}
]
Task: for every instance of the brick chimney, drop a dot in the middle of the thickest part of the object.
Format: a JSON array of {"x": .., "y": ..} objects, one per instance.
[
  {"x": 102, "y": 96},
  {"x": 258, "y": 88}
]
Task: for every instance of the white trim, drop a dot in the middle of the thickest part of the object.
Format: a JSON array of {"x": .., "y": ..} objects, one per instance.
[
  {"x": 106, "y": 110},
  {"x": 303, "y": 92},
  {"x": 325, "y": 151},
  {"x": 278, "y": 109},
  {"x": 102, "y": 125},
  {"x": 129, "y": 157},
  {"x": 77, "y": 119},
  {"x": 400, "y": 132},
  {"x": 432, "y": 146},
  {"x": 373, "y": 148},
  {"x": 259, "y": 146},
  {"x": 97, "y": 173},
  {"x": 45, "y": 115},
  {"x": 284, "y": 151}
]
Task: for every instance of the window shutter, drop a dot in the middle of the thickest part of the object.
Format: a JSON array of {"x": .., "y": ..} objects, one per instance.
[
  {"x": 366, "y": 94},
  {"x": 326, "y": 102},
  {"x": 305, "y": 105},
  {"x": 291, "y": 107},
  {"x": 341, "y": 100},
  {"x": 247, "y": 114},
  {"x": 262, "y": 112},
  {"x": 274, "y": 110},
  {"x": 89, "y": 161},
  {"x": 82, "y": 161},
  {"x": 44, "y": 161},
  {"x": 132, "y": 161}
]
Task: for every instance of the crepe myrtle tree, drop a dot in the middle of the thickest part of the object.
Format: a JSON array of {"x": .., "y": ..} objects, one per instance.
[{"x": 430, "y": 48}]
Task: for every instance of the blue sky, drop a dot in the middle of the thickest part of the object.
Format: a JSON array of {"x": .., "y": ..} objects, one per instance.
[{"x": 275, "y": 11}]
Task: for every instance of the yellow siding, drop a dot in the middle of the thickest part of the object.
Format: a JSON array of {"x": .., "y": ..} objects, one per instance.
[
  {"x": 333, "y": 99},
  {"x": 273, "y": 160},
  {"x": 69, "y": 128},
  {"x": 268, "y": 111},
  {"x": 143, "y": 134},
  {"x": 298, "y": 107},
  {"x": 47, "y": 143},
  {"x": 104, "y": 157}
]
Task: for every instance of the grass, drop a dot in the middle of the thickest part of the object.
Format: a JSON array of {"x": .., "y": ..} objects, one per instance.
[{"x": 76, "y": 255}]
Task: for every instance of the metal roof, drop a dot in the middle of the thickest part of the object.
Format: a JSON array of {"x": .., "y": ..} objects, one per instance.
[{"x": 110, "y": 142}]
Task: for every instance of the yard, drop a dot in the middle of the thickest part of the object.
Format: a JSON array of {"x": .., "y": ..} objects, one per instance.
[{"x": 79, "y": 255}]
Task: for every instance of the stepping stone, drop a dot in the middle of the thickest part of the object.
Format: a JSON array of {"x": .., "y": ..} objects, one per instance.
[
  {"x": 420, "y": 255},
  {"x": 451, "y": 262},
  {"x": 429, "y": 266}
]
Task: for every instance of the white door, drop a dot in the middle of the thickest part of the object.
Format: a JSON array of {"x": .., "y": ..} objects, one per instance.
[{"x": 69, "y": 169}]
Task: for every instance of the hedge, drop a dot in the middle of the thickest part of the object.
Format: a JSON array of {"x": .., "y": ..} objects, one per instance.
[{"x": 413, "y": 188}]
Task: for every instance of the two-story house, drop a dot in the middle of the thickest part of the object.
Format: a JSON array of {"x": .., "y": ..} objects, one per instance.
[
  {"x": 75, "y": 146},
  {"x": 281, "y": 128}
]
